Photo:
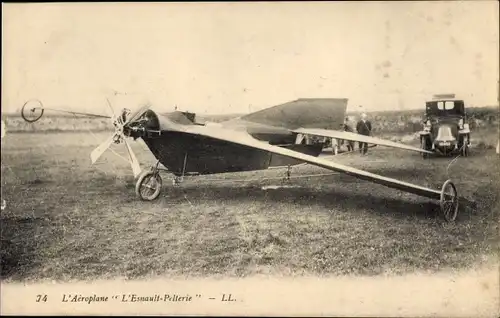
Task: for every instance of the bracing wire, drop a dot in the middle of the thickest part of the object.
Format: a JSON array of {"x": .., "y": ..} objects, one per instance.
[
  {"x": 452, "y": 162},
  {"x": 283, "y": 178}
]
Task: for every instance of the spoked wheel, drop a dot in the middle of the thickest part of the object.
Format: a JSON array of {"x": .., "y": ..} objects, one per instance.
[
  {"x": 148, "y": 186},
  {"x": 449, "y": 201},
  {"x": 32, "y": 111}
]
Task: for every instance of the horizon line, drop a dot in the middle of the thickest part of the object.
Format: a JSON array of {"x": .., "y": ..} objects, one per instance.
[{"x": 18, "y": 112}]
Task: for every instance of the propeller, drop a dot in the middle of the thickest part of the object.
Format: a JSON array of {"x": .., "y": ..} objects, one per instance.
[
  {"x": 119, "y": 122},
  {"x": 33, "y": 110}
]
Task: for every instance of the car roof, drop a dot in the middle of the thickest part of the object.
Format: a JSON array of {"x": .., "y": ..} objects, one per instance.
[{"x": 445, "y": 100}]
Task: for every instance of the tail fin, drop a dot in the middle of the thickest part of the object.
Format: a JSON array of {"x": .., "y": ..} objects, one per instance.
[{"x": 327, "y": 113}]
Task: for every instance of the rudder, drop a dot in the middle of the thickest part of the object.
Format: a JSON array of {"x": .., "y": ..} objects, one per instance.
[{"x": 326, "y": 113}]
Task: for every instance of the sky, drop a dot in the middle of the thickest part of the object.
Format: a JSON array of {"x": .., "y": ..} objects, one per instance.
[{"x": 220, "y": 57}]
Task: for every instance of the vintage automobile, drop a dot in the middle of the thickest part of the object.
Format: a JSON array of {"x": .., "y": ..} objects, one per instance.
[{"x": 445, "y": 127}]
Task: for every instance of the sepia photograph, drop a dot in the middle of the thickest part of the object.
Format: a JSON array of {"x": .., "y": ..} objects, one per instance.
[{"x": 250, "y": 158}]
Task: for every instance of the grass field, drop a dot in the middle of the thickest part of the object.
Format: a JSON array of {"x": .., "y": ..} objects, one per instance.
[{"x": 65, "y": 220}]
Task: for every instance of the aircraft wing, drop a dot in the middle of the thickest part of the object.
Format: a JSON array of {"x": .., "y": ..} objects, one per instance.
[
  {"x": 356, "y": 137},
  {"x": 243, "y": 138}
]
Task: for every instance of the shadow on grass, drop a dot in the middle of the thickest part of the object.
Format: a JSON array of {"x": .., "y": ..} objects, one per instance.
[
  {"x": 18, "y": 245},
  {"x": 354, "y": 197},
  {"x": 330, "y": 199}
]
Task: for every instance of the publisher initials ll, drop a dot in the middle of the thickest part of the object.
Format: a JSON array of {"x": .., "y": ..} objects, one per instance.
[{"x": 227, "y": 297}]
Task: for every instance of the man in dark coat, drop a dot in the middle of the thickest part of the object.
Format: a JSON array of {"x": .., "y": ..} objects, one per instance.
[{"x": 364, "y": 127}]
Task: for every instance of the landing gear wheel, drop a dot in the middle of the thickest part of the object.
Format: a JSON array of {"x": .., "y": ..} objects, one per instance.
[
  {"x": 148, "y": 186},
  {"x": 32, "y": 110},
  {"x": 449, "y": 201}
]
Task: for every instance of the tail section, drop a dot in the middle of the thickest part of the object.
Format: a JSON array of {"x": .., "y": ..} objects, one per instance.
[{"x": 326, "y": 113}]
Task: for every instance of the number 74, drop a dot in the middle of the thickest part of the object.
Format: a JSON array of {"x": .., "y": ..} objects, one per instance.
[{"x": 40, "y": 298}]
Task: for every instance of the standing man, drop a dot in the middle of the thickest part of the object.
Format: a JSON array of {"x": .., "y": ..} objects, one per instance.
[
  {"x": 348, "y": 128},
  {"x": 364, "y": 127}
]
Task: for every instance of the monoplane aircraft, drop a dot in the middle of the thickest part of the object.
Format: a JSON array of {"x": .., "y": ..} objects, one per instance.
[{"x": 185, "y": 146}]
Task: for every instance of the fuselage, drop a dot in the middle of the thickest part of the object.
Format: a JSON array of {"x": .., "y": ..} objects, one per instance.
[
  {"x": 183, "y": 153},
  {"x": 192, "y": 154}
]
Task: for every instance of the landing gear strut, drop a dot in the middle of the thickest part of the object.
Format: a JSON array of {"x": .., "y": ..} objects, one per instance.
[
  {"x": 148, "y": 186},
  {"x": 288, "y": 174}
]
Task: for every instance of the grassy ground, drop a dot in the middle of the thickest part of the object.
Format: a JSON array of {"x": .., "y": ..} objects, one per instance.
[{"x": 65, "y": 220}]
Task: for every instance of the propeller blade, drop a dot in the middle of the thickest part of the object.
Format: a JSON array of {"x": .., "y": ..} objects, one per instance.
[
  {"x": 134, "y": 163},
  {"x": 97, "y": 152},
  {"x": 136, "y": 114}
]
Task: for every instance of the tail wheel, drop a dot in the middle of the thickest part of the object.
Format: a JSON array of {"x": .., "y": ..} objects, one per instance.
[
  {"x": 148, "y": 186},
  {"x": 449, "y": 201},
  {"x": 32, "y": 110}
]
